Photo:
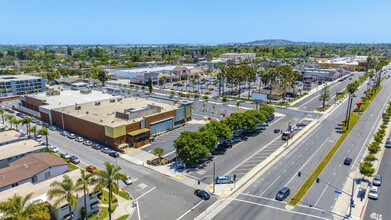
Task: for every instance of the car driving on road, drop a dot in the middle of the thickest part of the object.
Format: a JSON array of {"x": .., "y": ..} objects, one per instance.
[
  {"x": 374, "y": 193},
  {"x": 128, "y": 180},
  {"x": 202, "y": 194}
]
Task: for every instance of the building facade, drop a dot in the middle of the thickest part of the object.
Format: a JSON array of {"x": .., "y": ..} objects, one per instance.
[
  {"x": 238, "y": 56},
  {"x": 21, "y": 84}
]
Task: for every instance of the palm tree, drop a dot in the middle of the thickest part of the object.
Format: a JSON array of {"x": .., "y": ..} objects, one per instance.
[
  {"x": 107, "y": 178},
  {"x": 19, "y": 207},
  {"x": 351, "y": 88},
  {"x": 27, "y": 121},
  {"x": 16, "y": 122},
  {"x": 65, "y": 192},
  {"x": 34, "y": 129},
  {"x": 221, "y": 75},
  {"x": 2, "y": 111},
  {"x": 10, "y": 119},
  {"x": 164, "y": 81},
  {"x": 84, "y": 181},
  {"x": 44, "y": 131}
]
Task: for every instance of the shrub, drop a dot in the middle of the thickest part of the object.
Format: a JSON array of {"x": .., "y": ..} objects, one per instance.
[
  {"x": 374, "y": 147},
  {"x": 370, "y": 157},
  {"x": 378, "y": 139},
  {"x": 383, "y": 126}
]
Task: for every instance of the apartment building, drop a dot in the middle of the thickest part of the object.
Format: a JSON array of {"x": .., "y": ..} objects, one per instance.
[{"x": 20, "y": 84}]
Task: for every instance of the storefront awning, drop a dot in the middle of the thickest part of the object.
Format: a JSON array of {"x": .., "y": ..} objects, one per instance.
[{"x": 139, "y": 131}]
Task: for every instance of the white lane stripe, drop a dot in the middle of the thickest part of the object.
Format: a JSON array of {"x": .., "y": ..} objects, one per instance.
[
  {"x": 138, "y": 211},
  {"x": 270, "y": 185},
  {"x": 145, "y": 193},
  {"x": 322, "y": 194},
  {"x": 307, "y": 161},
  {"x": 267, "y": 206},
  {"x": 190, "y": 209}
]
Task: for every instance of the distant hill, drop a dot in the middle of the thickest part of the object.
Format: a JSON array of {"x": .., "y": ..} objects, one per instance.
[{"x": 271, "y": 42}]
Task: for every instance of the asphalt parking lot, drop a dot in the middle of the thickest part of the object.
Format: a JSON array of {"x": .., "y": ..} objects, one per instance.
[{"x": 166, "y": 141}]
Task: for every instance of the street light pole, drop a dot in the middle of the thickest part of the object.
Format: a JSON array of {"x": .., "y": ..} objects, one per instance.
[
  {"x": 214, "y": 176},
  {"x": 116, "y": 163}
]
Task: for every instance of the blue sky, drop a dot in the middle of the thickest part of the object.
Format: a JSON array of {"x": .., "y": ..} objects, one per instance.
[{"x": 197, "y": 21}]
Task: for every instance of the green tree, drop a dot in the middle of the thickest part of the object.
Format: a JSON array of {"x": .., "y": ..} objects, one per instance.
[
  {"x": 2, "y": 111},
  {"x": 20, "y": 208},
  {"x": 102, "y": 76},
  {"x": 150, "y": 85},
  {"x": 65, "y": 191},
  {"x": 44, "y": 131},
  {"x": 107, "y": 178},
  {"x": 351, "y": 88},
  {"x": 366, "y": 168},
  {"x": 193, "y": 146},
  {"x": 34, "y": 129},
  {"x": 27, "y": 121},
  {"x": 218, "y": 128},
  {"x": 158, "y": 152},
  {"x": 84, "y": 182},
  {"x": 324, "y": 95}
]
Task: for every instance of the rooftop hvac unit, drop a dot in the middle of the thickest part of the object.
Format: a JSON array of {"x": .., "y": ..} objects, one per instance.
[
  {"x": 97, "y": 103},
  {"x": 112, "y": 100},
  {"x": 119, "y": 99},
  {"x": 77, "y": 107}
]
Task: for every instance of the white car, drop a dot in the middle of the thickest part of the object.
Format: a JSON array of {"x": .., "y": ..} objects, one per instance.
[
  {"x": 374, "y": 193},
  {"x": 128, "y": 180},
  {"x": 53, "y": 149},
  {"x": 65, "y": 155},
  {"x": 79, "y": 139}
]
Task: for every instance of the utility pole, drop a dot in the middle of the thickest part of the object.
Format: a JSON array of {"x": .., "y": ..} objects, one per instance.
[{"x": 214, "y": 177}]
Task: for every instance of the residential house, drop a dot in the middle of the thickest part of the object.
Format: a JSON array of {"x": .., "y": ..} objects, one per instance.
[
  {"x": 10, "y": 136},
  {"x": 12, "y": 152}
]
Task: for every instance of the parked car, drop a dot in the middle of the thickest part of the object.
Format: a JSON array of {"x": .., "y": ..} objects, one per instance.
[
  {"x": 301, "y": 124},
  {"x": 296, "y": 128},
  {"x": 97, "y": 146},
  {"x": 236, "y": 139},
  {"x": 52, "y": 128},
  {"x": 224, "y": 180},
  {"x": 38, "y": 136},
  {"x": 105, "y": 150},
  {"x": 64, "y": 133},
  {"x": 202, "y": 194},
  {"x": 53, "y": 149},
  {"x": 261, "y": 127},
  {"x": 91, "y": 169},
  {"x": 74, "y": 159},
  {"x": 347, "y": 161},
  {"x": 374, "y": 192},
  {"x": 71, "y": 136},
  {"x": 388, "y": 143},
  {"x": 65, "y": 155},
  {"x": 79, "y": 139},
  {"x": 114, "y": 154},
  {"x": 87, "y": 143},
  {"x": 283, "y": 194},
  {"x": 277, "y": 130},
  {"x": 128, "y": 180},
  {"x": 377, "y": 180},
  {"x": 39, "y": 123}
]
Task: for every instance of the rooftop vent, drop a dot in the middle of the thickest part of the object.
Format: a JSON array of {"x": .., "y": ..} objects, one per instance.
[
  {"x": 77, "y": 107},
  {"x": 97, "y": 103},
  {"x": 112, "y": 100},
  {"x": 86, "y": 113}
]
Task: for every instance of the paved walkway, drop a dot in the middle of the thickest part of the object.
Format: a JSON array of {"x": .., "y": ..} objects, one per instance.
[{"x": 124, "y": 208}]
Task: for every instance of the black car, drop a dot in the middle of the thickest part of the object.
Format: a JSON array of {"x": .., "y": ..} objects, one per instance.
[
  {"x": 277, "y": 130},
  {"x": 283, "y": 193},
  {"x": 348, "y": 161},
  {"x": 301, "y": 124},
  {"x": 202, "y": 194},
  {"x": 114, "y": 154}
]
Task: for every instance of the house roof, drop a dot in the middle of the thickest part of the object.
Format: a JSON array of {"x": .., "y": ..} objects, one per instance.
[
  {"x": 18, "y": 148},
  {"x": 10, "y": 135},
  {"x": 27, "y": 167},
  {"x": 178, "y": 67}
]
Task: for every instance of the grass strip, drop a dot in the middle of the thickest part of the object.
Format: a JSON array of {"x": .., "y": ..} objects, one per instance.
[
  {"x": 71, "y": 165},
  {"x": 318, "y": 170},
  {"x": 124, "y": 217}
]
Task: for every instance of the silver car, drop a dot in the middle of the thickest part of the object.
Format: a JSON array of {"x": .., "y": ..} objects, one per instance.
[
  {"x": 374, "y": 193},
  {"x": 79, "y": 139},
  {"x": 377, "y": 180},
  {"x": 105, "y": 150},
  {"x": 65, "y": 155}
]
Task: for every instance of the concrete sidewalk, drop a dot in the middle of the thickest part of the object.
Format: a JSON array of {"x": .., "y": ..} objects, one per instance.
[{"x": 124, "y": 207}]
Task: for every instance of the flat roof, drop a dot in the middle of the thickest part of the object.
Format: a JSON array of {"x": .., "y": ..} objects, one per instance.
[
  {"x": 104, "y": 113},
  {"x": 18, "y": 148},
  {"x": 69, "y": 98},
  {"x": 8, "y": 78},
  {"x": 10, "y": 135}
]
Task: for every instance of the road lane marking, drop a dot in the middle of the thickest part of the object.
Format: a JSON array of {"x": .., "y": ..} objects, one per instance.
[
  {"x": 272, "y": 207},
  {"x": 307, "y": 161},
  {"x": 322, "y": 194},
  {"x": 145, "y": 193},
  {"x": 270, "y": 185},
  {"x": 138, "y": 211},
  {"x": 192, "y": 208}
]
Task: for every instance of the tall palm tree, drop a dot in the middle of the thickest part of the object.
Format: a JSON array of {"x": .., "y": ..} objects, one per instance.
[
  {"x": 44, "y": 131},
  {"x": 27, "y": 121},
  {"x": 221, "y": 75},
  {"x": 20, "y": 208},
  {"x": 10, "y": 118},
  {"x": 351, "y": 88},
  {"x": 2, "y": 111},
  {"x": 107, "y": 178},
  {"x": 33, "y": 129},
  {"x": 164, "y": 81},
  {"x": 16, "y": 122},
  {"x": 272, "y": 75},
  {"x": 64, "y": 191},
  {"x": 84, "y": 181}
]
